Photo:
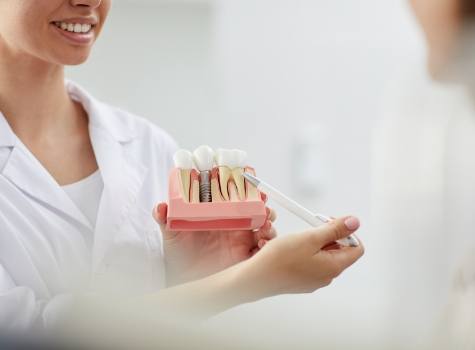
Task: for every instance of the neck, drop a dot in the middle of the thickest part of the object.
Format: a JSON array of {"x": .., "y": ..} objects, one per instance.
[{"x": 33, "y": 97}]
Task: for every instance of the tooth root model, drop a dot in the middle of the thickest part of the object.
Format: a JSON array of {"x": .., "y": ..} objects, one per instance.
[
  {"x": 216, "y": 196},
  {"x": 240, "y": 163},
  {"x": 195, "y": 187},
  {"x": 239, "y": 181},
  {"x": 231, "y": 166},
  {"x": 223, "y": 158},
  {"x": 224, "y": 177},
  {"x": 204, "y": 160},
  {"x": 232, "y": 190},
  {"x": 252, "y": 194},
  {"x": 184, "y": 161}
]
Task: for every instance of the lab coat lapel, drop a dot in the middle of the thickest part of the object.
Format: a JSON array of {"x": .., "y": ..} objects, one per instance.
[
  {"x": 123, "y": 178},
  {"x": 29, "y": 175},
  {"x": 123, "y": 175}
]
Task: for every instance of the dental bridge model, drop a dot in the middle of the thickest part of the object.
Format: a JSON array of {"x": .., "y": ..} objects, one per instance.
[{"x": 207, "y": 191}]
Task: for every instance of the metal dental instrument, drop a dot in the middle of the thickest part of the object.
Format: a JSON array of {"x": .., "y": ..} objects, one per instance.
[{"x": 295, "y": 208}]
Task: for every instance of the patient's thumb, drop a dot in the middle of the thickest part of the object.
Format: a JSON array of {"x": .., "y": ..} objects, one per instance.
[{"x": 338, "y": 229}]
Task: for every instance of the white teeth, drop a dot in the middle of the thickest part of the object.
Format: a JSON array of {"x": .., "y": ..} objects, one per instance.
[
  {"x": 241, "y": 158},
  {"x": 74, "y": 27},
  {"x": 225, "y": 157},
  {"x": 204, "y": 158},
  {"x": 183, "y": 159},
  {"x": 241, "y": 161},
  {"x": 231, "y": 158},
  {"x": 231, "y": 165}
]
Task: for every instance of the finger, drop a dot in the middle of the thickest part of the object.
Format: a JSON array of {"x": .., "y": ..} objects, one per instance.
[
  {"x": 345, "y": 256},
  {"x": 160, "y": 214},
  {"x": 332, "y": 246},
  {"x": 271, "y": 234},
  {"x": 336, "y": 230},
  {"x": 264, "y": 197},
  {"x": 267, "y": 233},
  {"x": 324, "y": 235},
  {"x": 271, "y": 214},
  {"x": 262, "y": 243},
  {"x": 254, "y": 251},
  {"x": 262, "y": 232}
]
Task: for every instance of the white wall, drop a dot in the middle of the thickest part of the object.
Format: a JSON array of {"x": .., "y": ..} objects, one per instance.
[{"x": 259, "y": 74}]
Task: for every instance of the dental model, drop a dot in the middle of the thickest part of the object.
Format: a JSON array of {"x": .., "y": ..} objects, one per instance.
[
  {"x": 204, "y": 160},
  {"x": 231, "y": 164},
  {"x": 216, "y": 195},
  {"x": 184, "y": 161},
  {"x": 213, "y": 196}
]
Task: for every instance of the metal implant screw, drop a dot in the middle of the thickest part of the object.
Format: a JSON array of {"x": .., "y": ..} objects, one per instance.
[{"x": 205, "y": 187}]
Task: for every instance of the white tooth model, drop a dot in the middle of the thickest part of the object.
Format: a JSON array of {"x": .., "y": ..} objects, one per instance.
[
  {"x": 240, "y": 158},
  {"x": 231, "y": 165},
  {"x": 204, "y": 160},
  {"x": 184, "y": 161},
  {"x": 224, "y": 158}
]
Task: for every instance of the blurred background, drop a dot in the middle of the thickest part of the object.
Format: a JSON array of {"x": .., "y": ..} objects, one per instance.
[{"x": 301, "y": 85}]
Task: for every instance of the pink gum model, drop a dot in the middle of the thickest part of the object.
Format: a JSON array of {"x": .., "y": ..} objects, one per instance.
[{"x": 214, "y": 216}]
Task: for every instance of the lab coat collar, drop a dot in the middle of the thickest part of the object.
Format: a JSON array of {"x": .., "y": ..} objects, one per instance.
[
  {"x": 121, "y": 129},
  {"x": 28, "y": 174},
  {"x": 7, "y": 137}
]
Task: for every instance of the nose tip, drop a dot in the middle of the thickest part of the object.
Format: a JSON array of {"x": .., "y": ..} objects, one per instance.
[{"x": 86, "y": 3}]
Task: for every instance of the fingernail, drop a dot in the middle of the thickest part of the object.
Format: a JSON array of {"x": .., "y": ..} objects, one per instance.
[{"x": 352, "y": 223}]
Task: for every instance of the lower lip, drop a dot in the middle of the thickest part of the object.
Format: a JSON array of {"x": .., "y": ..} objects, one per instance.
[{"x": 82, "y": 39}]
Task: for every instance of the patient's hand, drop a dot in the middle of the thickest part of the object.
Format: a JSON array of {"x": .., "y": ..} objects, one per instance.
[{"x": 194, "y": 255}]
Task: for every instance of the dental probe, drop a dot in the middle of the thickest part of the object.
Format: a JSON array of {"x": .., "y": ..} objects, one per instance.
[{"x": 295, "y": 208}]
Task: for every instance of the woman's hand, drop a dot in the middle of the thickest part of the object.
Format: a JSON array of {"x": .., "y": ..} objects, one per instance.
[
  {"x": 300, "y": 263},
  {"x": 297, "y": 263},
  {"x": 193, "y": 255}
]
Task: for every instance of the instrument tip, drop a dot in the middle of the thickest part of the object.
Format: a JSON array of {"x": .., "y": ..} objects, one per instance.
[{"x": 252, "y": 179}]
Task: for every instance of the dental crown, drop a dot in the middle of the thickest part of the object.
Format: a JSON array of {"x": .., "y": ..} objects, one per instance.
[{"x": 209, "y": 176}]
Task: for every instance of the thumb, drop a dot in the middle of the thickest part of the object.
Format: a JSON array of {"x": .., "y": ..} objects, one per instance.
[
  {"x": 160, "y": 216},
  {"x": 336, "y": 229}
]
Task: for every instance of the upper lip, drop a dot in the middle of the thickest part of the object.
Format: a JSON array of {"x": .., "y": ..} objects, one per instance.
[{"x": 80, "y": 20}]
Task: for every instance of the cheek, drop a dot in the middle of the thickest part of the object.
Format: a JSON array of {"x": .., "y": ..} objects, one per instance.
[
  {"x": 21, "y": 23},
  {"x": 104, "y": 13}
]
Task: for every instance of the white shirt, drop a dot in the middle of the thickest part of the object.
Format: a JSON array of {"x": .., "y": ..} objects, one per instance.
[
  {"x": 43, "y": 253},
  {"x": 86, "y": 195},
  {"x": 423, "y": 206}
]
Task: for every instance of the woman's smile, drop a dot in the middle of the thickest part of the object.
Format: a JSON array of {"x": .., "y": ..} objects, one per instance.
[{"x": 79, "y": 31}]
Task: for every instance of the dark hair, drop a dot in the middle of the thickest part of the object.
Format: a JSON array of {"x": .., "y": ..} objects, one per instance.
[{"x": 467, "y": 9}]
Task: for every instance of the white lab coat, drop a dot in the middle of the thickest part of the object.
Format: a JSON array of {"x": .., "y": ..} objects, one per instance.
[{"x": 44, "y": 258}]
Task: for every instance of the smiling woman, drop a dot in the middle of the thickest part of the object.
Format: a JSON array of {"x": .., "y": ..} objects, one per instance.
[
  {"x": 32, "y": 26},
  {"x": 79, "y": 181}
]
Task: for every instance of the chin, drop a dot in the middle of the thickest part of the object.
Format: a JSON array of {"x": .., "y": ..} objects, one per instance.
[
  {"x": 73, "y": 59},
  {"x": 75, "y": 62}
]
